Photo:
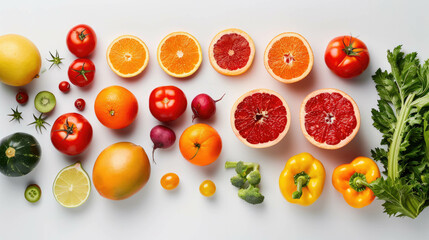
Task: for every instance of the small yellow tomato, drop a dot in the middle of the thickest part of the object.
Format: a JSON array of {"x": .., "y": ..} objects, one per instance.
[
  {"x": 170, "y": 181},
  {"x": 207, "y": 188}
]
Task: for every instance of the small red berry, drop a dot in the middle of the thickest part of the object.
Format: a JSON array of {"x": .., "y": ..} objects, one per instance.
[
  {"x": 64, "y": 86},
  {"x": 80, "y": 104},
  {"x": 21, "y": 97}
]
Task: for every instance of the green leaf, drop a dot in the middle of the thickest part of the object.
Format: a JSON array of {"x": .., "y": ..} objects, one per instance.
[
  {"x": 387, "y": 88},
  {"x": 400, "y": 199}
]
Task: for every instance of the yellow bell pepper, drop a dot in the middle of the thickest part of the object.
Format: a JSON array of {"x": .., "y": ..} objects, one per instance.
[{"x": 302, "y": 179}]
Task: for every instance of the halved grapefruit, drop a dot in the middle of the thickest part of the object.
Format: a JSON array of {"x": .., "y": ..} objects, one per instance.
[
  {"x": 231, "y": 52},
  {"x": 288, "y": 57},
  {"x": 329, "y": 118},
  {"x": 260, "y": 118}
]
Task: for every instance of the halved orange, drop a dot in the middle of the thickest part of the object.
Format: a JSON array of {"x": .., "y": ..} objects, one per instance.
[
  {"x": 288, "y": 57},
  {"x": 179, "y": 54},
  {"x": 231, "y": 52},
  {"x": 127, "y": 56}
]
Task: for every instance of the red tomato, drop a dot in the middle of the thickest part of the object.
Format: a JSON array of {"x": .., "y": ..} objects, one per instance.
[
  {"x": 80, "y": 104},
  {"x": 22, "y": 97},
  {"x": 64, "y": 87},
  {"x": 347, "y": 56},
  {"x": 81, "y": 72},
  {"x": 71, "y": 134},
  {"x": 167, "y": 103},
  {"x": 81, "y": 40}
]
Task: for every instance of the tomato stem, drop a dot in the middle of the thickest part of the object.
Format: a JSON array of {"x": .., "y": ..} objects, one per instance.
[
  {"x": 67, "y": 128},
  {"x": 198, "y": 146},
  {"x": 82, "y": 35},
  {"x": 349, "y": 49},
  {"x": 82, "y": 72}
]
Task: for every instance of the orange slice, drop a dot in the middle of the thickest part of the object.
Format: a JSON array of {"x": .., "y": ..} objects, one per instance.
[
  {"x": 288, "y": 57},
  {"x": 127, "y": 56},
  {"x": 231, "y": 52},
  {"x": 179, "y": 54}
]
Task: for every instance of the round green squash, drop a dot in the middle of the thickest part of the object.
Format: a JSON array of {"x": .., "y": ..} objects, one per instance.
[{"x": 19, "y": 154}]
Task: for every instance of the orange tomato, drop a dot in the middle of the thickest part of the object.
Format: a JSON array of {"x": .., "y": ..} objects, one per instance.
[
  {"x": 121, "y": 170},
  {"x": 200, "y": 144},
  {"x": 170, "y": 181},
  {"x": 116, "y": 107},
  {"x": 207, "y": 188}
]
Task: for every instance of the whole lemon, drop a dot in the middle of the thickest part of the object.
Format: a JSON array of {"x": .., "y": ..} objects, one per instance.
[
  {"x": 121, "y": 170},
  {"x": 20, "y": 60}
]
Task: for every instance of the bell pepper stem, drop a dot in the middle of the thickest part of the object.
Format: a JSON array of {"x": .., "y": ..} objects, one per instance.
[
  {"x": 301, "y": 180},
  {"x": 358, "y": 182}
]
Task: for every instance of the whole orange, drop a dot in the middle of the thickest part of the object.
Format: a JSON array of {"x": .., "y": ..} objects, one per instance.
[
  {"x": 200, "y": 144},
  {"x": 121, "y": 170},
  {"x": 116, "y": 107}
]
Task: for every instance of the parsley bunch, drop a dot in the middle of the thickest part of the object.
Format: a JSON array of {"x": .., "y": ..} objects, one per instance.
[{"x": 403, "y": 119}]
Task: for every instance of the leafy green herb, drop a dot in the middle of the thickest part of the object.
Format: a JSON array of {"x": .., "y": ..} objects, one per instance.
[
  {"x": 16, "y": 115},
  {"x": 402, "y": 117},
  {"x": 39, "y": 123},
  {"x": 56, "y": 60}
]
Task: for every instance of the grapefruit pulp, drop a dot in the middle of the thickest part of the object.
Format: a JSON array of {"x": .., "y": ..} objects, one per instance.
[
  {"x": 260, "y": 118},
  {"x": 231, "y": 52},
  {"x": 329, "y": 118}
]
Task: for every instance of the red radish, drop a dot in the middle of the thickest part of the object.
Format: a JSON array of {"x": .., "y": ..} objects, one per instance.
[
  {"x": 162, "y": 137},
  {"x": 203, "y": 106}
]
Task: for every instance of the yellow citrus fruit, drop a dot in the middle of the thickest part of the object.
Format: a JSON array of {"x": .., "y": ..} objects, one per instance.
[
  {"x": 20, "y": 60},
  {"x": 72, "y": 186}
]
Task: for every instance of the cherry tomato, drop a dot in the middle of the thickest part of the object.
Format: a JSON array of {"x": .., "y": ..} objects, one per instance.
[
  {"x": 22, "y": 97},
  {"x": 80, "y": 104},
  {"x": 347, "y": 56},
  {"x": 167, "y": 103},
  {"x": 81, "y": 72},
  {"x": 207, "y": 188},
  {"x": 170, "y": 181},
  {"x": 81, "y": 40},
  {"x": 71, "y": 134},
  {"x": 64, "y": 86}
]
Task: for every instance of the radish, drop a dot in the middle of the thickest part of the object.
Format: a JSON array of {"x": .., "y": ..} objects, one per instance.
[
  {"x": 203, "y": 106},
  {"x": 162, "y": 137}
]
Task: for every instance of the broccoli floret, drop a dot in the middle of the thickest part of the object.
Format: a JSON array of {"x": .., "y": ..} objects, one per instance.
[
  {"x": 238, "y": 181},
  {"x": 241, "y": 169},
  {"x": 251, "y": 195},
  {"x": 254, "y": 177},
  {"x": 247, "y": 179}
]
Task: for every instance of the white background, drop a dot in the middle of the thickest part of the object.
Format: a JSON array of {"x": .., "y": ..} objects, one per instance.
[{"x": 184, "y": 213}]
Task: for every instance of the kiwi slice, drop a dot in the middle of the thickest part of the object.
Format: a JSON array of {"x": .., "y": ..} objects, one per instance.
[{"x": 45, "y": 102}]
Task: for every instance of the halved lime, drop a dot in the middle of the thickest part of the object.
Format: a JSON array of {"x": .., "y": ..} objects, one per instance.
[{"x": 72, "y": 186}]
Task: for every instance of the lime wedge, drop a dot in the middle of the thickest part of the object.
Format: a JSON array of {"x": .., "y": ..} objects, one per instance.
[{"x": 72, "y": 186}]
